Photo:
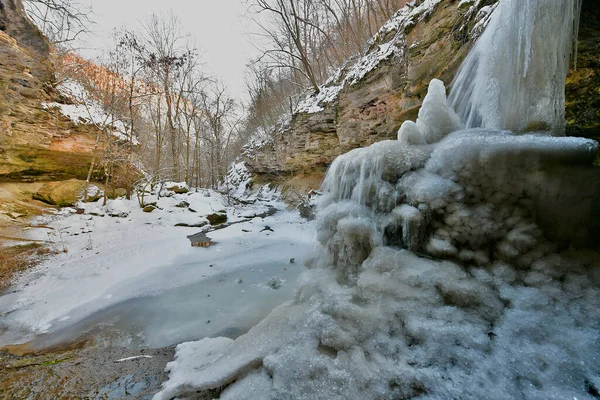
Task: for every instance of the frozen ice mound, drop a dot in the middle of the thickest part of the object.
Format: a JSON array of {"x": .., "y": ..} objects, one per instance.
[
  {"x": 414, "y": 328},
  {"x": 435, "y": 279},
  {"x": 436, "y": 118},
  {"x": 447, "y": 266}
]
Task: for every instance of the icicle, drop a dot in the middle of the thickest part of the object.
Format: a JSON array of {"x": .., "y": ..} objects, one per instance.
[{"x": 576, "y": 31}]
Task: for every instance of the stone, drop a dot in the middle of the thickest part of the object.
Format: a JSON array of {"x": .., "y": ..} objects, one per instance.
[
  {"x": 62, "y": 194},
  {"x": 275, "y": 283},
  {"x": 184, "y": 225},
  {"x": 200, "y": 240},
  {"x": 217, "y": 219},
  {"x": 178, "y": 189},
  {"x": 149, "y": 208},
  {"x": 94, "y": 194},
  {"x": 118, "y": 214}
]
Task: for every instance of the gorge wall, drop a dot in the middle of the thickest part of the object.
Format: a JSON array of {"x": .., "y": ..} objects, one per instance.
[
  {"x": 429, "y": 40},
  {"x": 35, "y": 145}
]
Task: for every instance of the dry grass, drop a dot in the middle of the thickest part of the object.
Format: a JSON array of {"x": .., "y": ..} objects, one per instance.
[{"x": 18, "y": 258}]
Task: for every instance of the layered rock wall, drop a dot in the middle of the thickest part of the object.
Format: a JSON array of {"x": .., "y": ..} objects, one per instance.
[
  {"x": 432, "y": 44},
  {"x": 35, "y": 145}
]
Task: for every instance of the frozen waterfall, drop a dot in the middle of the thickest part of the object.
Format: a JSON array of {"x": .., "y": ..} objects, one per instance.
[
  {"x": 514, "y": 77},
  {"x": 448, "y": 266}
]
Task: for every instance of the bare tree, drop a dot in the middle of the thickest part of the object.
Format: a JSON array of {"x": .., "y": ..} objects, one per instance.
[
  {"x": 303, "y": 42},
  {"x": 288, "y": 39},
  {"x": 61, "y": 21},
  {"x": 173, "y": 62},
  {"x": 221, "y": 125}
]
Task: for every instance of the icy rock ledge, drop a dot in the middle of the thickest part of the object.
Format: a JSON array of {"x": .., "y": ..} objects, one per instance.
[{"x": 442, "y": 274}]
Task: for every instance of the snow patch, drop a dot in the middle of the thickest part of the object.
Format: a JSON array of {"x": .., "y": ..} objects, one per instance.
[{"x": 85, "y": 110}]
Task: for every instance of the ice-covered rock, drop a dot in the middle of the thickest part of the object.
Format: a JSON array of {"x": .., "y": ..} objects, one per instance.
[
  {"x": 436, "y": 118},
  {"x": 372, "y": 319}
]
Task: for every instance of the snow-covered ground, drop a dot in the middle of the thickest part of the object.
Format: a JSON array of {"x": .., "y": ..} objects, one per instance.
[{"x": 111, "y": 260}]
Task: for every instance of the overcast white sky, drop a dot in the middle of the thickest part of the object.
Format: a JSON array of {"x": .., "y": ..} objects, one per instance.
[{"x": 217, "y": 27}]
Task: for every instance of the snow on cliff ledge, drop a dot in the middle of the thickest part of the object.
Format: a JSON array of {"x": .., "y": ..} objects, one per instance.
[
  {"x": 379, "y": 51},
  {"x": 85, "y": 110}
]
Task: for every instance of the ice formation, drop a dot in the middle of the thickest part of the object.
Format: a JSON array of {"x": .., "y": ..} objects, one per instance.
[
  {"x": 437, "y": 277},
  {"x": 514, "y": 78},
  {"x": 436, "y": 118}
]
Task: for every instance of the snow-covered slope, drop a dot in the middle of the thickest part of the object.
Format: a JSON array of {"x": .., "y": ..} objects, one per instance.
[{"x": 83, "y": 109}]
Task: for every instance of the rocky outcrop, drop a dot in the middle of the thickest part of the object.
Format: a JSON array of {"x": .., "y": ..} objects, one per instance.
[
  {"x": 15, "y": 23},
  {"x": 432, "y": 43},
  {"x": 583, "y": 84},
  {"x": 35, "y": 145}
]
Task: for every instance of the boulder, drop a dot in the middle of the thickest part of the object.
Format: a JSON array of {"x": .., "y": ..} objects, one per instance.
[
  {"x": 94, "y": 193},
  {"x": 178, "y": 188},
  {"x": 62, "y": 194},
  {"x": 116, "y": 193},
  {"x": 217, "y": 219},
  {"x": 149, "y": 208}
]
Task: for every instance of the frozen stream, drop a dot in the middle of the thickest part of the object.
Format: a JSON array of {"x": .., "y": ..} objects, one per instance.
[
  {"x": 135, "y": 280},
  {"x": 227, "y": 304}
]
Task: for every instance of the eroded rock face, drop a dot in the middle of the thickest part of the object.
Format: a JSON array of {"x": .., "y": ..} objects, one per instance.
[
  {"x": 15, "y": 23},
  {"x": 374, "y": 108},
  {"x": 35, "y": 145}
]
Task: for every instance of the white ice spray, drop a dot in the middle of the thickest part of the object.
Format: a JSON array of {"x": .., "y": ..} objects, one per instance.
[{"x": 514, "y": 78}]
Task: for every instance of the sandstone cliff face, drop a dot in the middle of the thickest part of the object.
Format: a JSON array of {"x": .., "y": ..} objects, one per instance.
[
  {"x": 15, "y": 23},
  {"x": 34, "y": 145},
  {"x": 431, "y": 45}
]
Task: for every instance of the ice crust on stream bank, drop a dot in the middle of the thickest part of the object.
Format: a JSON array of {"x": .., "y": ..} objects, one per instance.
[{"x": 434, "y": 280}]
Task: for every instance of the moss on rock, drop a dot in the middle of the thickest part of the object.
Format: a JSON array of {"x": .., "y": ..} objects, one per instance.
[{"x": 583, "y": 83}]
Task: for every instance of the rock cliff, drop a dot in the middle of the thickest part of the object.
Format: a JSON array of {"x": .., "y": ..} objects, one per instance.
[
  {"x": 34, "y": 145},
  {"x": 376, "y": 93}
]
